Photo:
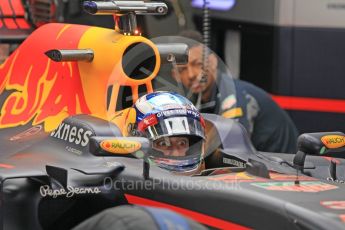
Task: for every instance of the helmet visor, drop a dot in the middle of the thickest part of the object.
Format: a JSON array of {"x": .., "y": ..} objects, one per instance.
[{"x": 173, "y": 126}]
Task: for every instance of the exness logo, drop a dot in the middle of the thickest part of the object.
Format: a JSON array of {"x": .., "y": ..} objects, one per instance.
[{"x": 72, "y": 134}]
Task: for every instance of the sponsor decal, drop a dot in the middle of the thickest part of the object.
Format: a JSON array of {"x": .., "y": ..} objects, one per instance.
[
  {"x": 339, "y": 205},
  {"x": 46, "y": 191},
  {"x": 177, "y": 112},
  {"x": 72, "y": 134},
  {"x": 237, "y": 177},
  {"x": 287, "y": 177},
  {"x": 27, "y": 133},
  {"x": 233, "y": 113},
  {"x": 110, "y": 164},
  {"x": 303, "y": 186},
  {"x": 228, "y": 102},
  {"x": 244, "y": 177},
  {"x": 120, "y": 146},
  {"x": 172, "y": 112},
  {"x": 147, "y": 121},
  {"x": 234, "y": 162},
  {"x": 73, "y": 150},
  {"x": 333, "y": 141}
]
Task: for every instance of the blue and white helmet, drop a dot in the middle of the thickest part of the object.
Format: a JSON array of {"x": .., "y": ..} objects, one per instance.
[{"x": 168, "y": 114}]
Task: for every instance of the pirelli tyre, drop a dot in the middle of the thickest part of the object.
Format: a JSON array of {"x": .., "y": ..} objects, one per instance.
[{"x": 129, "y": 217}]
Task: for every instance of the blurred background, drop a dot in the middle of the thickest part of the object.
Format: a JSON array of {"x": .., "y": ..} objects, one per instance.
[{"x": 293, "y": 49}]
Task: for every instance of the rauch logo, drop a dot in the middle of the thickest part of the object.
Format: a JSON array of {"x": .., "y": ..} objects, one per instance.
[
  {"x": 333, "y": 141},
  {"x": 120, "y": 146}
]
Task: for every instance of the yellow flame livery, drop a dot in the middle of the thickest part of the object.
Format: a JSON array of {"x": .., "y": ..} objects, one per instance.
[{"x": 36, "y": 90}]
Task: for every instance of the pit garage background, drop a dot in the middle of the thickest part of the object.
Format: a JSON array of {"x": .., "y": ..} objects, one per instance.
[{"x": 294, "y": 49}]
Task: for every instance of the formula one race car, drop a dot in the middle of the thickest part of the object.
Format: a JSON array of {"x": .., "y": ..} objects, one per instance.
[{"x": 65, "y": 155}]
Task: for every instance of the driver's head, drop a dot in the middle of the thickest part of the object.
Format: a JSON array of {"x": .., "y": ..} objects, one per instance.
[
  {"x": 175, "y": 128},
  {"x": 176, "y": 146}
]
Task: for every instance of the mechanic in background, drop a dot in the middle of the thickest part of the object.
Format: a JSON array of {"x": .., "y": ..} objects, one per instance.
[{"x": 270, "y": 127}]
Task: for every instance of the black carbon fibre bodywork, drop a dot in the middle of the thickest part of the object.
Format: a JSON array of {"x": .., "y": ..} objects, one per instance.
[{"x": 56, "y": 182}]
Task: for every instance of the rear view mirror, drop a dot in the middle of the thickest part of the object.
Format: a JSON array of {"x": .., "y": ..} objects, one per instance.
[
  {"x": 321, "y": 143},
  {"x": 318, "y": 144},
  {"x": 138, "y": 147}
]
